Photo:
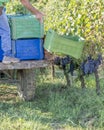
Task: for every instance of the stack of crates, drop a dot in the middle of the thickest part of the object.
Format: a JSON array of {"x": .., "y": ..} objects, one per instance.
[{"x": 27, "y": 37}]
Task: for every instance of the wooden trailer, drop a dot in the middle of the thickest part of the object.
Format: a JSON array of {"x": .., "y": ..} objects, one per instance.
[{"x": 26, "y": 75}]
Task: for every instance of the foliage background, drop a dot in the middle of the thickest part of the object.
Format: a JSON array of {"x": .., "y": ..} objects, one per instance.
[{"x": 77, "y": 17}]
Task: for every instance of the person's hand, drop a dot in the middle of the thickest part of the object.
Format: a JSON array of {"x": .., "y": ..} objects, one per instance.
[{"x": 39, "y": 16}]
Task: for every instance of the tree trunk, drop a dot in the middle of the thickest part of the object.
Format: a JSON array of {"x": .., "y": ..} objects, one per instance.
[
  {"x": 82, "y": 82},
  {"x": 67, "y": 77},
  {"x": 53, "y": 71},
  {"x": 27, "y": 84},
  {"x": 97, "y": 82}
]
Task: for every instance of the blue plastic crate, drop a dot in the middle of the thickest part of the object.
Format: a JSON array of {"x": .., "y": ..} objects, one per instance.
[
  {"x": 28, "y": 49},
  {"x": 1, "y": 51}
]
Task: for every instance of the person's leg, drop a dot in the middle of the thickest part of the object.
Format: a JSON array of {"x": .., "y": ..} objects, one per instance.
[
  {"x": 6, "y": 39},
  {"x": 5, "y": 34}
]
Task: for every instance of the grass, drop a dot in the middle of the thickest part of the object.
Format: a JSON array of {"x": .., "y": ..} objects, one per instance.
[{"x": 55, "y": 107}]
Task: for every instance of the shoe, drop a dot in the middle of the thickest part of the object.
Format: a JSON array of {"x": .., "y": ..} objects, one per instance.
[{"x": 8, "y": 60}]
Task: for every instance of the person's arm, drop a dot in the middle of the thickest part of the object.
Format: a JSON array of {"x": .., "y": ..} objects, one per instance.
[{"x": 33, "y": 10}]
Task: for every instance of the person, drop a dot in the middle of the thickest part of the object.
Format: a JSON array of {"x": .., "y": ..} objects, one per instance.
[{"x": 5, "y": 30}]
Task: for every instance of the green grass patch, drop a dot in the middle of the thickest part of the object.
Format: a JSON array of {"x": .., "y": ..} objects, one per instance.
[{"x": 55, "y": 107}]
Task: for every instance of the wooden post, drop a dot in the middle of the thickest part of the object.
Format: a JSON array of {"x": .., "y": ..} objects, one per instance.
[{"x": 27, "y": 84}]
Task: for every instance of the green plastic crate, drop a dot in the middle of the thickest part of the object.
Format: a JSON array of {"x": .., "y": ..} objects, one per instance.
[
  {"x": 71, "y": 45},
  {"x": 25, "y": 26}
]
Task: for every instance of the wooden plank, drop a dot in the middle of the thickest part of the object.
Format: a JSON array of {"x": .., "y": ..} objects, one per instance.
[{"x": 25, "y": 65}]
